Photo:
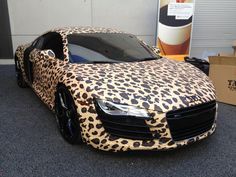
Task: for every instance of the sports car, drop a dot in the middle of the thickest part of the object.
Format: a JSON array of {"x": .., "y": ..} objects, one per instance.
[{"x": 112, "y": 91}]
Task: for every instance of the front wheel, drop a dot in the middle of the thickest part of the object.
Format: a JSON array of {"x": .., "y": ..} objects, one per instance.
[
  {"x": 66, "y": 116},
  {"x": 19, "y": 76}
]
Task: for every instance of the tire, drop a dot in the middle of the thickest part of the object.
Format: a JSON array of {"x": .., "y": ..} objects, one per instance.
[
  {"x": 66, "y": 116},
  {"x": 19, "y": 76}
]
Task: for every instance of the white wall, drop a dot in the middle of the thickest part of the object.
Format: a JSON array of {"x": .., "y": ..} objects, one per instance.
[
  {"x": 213, "y": 29},
  {"x": 30, "y": 18}
]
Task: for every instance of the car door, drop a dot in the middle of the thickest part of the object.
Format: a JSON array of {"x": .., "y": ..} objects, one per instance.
[{"x": 46, "y": 67}]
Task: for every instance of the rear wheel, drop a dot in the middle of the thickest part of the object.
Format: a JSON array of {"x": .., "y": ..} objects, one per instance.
[
  {"x": 19, "y": 76},
  {"x": 66, "y": 116}
]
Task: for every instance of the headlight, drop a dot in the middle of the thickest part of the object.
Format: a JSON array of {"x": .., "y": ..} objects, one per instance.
[{"x": 121, "y": 110}]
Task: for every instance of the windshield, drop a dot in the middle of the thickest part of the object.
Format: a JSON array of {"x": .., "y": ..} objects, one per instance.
[{"x": 107, "y": 48}]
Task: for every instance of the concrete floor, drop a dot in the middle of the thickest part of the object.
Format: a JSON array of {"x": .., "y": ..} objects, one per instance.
[
  {"x": 30, "y": 145},
  {"x": 6, "y": 61}
]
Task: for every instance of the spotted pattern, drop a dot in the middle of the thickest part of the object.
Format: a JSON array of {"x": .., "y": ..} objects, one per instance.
[{"x": 158, "y": 85}]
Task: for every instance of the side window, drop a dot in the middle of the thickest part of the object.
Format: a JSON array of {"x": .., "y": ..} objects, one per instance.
[{"x": 52, "y": 41}]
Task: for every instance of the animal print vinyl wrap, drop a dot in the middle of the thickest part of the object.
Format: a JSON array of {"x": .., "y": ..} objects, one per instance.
[{"x": 158, "y": 86}]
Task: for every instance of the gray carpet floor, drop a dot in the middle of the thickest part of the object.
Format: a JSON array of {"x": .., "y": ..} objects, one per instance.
[{"x": 30, "y": 145}]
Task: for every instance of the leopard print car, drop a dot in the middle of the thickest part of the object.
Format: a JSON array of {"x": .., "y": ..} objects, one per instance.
[{"x": 178, "y": 98}]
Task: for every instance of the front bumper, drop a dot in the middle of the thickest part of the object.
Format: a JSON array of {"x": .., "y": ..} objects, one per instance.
[
  {"x": 100, "y": 138},
  {"x": 110, "y": 143}
]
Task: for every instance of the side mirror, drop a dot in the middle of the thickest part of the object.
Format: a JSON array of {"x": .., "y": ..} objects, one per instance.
[{"x": 48, "y": 53}]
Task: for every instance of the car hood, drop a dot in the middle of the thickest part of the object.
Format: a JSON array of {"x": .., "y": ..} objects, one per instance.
[{"x": 160, "y": 85}]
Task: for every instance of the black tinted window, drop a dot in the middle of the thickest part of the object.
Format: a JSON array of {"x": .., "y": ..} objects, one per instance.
[{"x": 107, "y": 47}]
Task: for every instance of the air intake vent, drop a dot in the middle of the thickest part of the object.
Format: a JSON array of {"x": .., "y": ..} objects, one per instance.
[{"x": 125, "y": 126}]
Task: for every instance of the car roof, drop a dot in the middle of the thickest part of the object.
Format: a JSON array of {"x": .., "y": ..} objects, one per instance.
[{"x": 77, "y": 30}]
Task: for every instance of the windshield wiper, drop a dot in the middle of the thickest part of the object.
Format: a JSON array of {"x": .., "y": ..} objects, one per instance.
[
  {"x": 148, "y": 59},
  {"x": 111, "y": 62},
  {"x": 103, "y": 62}
]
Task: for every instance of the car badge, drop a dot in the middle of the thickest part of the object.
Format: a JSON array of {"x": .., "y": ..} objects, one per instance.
[{"x": 193, "y": 98}]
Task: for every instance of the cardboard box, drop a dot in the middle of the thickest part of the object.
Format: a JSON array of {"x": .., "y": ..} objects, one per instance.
[
  {"x": 226, "y": 54},
  {"x": 223, "y": 75}
]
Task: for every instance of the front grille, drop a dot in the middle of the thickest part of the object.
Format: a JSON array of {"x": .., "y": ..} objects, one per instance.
[
  {"x": 192, "y": 121},
  {"x": 125, "y": 126}
]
